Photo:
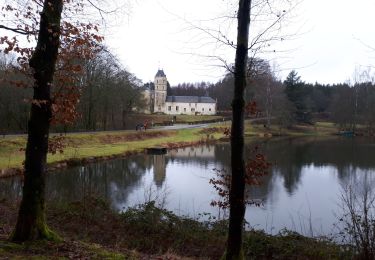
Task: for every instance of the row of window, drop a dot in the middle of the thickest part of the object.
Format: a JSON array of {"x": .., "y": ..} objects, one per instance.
[{"x": 192, "y": 109}]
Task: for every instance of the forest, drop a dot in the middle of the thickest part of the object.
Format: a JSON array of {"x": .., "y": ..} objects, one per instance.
[{"x": 109, "y": 93}]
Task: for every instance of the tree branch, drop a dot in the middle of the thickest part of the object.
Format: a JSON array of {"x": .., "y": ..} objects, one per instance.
[{"x": 16, "y": 30}]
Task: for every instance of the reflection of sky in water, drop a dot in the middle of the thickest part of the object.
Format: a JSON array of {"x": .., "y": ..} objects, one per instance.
[
  {"x": 303, "y": 188},
  {"x": 185, "y": 189},
  {"x": 188, "y": 193},
  {"x": 315, "y": 199}
]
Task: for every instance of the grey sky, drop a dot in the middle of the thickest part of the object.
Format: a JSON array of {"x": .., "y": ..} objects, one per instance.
[{"x": 329, "y": 44}]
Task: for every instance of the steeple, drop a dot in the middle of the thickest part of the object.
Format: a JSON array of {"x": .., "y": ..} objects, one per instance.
[
  {"x": 160, "y": 83},
  {"x": 160, "y": 73}
]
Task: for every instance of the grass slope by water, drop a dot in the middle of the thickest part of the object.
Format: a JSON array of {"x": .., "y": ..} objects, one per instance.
[
  {"x": 100, "y": 144},
  {"x": 159, "y": 119},
  {"x": 106, "y": 144}
]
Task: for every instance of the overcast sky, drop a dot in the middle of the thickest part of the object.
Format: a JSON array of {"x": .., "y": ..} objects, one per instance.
[{"x": 329, "y": 39}]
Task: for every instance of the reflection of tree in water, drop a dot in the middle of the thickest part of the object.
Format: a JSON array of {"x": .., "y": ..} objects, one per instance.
[
  {"x": 262, "y": 191},
  {"x": 11, "y": 188},
  {"x": 113, "y": 180},
  {"x": 222, "y": 152},
  {"x": 291, "y": 155},
  {"x": 203, "y": 155},
  {"x": 287, "y": 161},
  {"x": 357, "y": 178}
]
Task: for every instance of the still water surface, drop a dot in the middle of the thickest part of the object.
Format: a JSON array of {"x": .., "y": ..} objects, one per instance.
[{"x": 301, "y": 192}]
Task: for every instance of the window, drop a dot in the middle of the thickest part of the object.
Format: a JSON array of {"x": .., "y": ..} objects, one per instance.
[
  {"x": 184, "y": 109},
  {"x": 202, "y": 109},
  {"x": 159, "y": 108},
  {"x": 169, "y": 108},
  {"x": 209, "y": 109},
  {"x": 176, "y": 108},
  {"x": 192, "y": 110}
]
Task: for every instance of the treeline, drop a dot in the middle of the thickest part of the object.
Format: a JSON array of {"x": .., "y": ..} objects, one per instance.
[
  {"x": 294, "y": 101},
  {"x": 108, "y": 93},
  {"x": 14, "y": 99}
]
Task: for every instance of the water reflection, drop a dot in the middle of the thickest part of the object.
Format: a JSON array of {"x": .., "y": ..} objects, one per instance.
[
  {"x": 303, "y": 186},
  {"x": 160, "y": 166}
]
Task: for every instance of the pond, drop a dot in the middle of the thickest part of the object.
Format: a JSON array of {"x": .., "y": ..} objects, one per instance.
[{"x": 301, "y": 192}]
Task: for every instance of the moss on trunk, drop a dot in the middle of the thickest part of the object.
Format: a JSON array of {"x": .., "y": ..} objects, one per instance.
[{"x": 31, "y": 223}]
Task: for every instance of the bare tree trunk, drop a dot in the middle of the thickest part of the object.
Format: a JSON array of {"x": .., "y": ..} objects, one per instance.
[
  {"x": 268, "y": 105},
  {"x": 31, "y": 222},
  {"x": 237, "y": 189},
  {"x": 105, "y": 114},
  {"x": 89, "y": 113},
  {"x": 123, "y": 119},
  {"x": 113, "y": 118}
]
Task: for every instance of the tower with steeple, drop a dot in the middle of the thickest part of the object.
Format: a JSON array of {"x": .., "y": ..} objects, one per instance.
[
  {"x": 160, "y": 91},
  {"x": 155, "y": 96}
]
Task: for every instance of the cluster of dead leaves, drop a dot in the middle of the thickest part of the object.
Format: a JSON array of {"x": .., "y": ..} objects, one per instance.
[
  {"x": 256, "y": 167},
  {"x": 56, "y": 144}
]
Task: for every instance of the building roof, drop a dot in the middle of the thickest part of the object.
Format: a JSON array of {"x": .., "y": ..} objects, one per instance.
[
  {"x": 160, "y": 73},
  {"x": 190, "y": 99},
  {"x": 149, "y": 86}
]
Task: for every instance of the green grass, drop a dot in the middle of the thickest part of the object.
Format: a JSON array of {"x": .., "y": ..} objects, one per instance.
[
  {"x": 10, "y": 153},
  {"x": 194, "y": 119},
  {"x": 179, "y": 118},
  {"x": 96, "y": 148},
  {"x": 318, "y": 129},
  {"x": 112, "y": 143},
  {"x": 100, "y": 144}
]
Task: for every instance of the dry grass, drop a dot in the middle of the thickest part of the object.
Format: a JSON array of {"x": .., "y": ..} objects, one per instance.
[
  {"x": 104, "y": 144},
  {"x": 101, "y": 144}
]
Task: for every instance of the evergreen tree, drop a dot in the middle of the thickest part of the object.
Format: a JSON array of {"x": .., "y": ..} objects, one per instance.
[{"x": 297, "y": 92}]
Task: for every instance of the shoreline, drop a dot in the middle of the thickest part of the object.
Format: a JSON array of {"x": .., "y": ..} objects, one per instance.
[
  {"x": 150, "y": 233},
  {"x": 85, "y": 148},
  {"x": 71, "y": 162}
]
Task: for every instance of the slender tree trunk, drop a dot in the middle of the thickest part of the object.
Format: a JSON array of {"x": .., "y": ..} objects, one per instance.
[
  {"x": 105, "y": 114},
  {"x": 123, "y": 119},
  {"x": 89, "y": 119},
  {"x": 31, "y": 222},
  {"x": 113, "y": 118},
  {"x": 269, "y": 105},
  {"x": 237, "y": 189}
]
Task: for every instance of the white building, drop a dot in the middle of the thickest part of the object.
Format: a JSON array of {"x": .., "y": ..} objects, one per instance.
[{"x": 177, "y": 105}]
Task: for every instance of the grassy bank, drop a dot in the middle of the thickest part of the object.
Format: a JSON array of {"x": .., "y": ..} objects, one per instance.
[
  {"x": 134, "y": 119},
  {"x": 91, "y": 146},
  {"x": 318, "y": 129},
  {"x": 91, "y": 229},
  {"x": 104, "y": 144}
]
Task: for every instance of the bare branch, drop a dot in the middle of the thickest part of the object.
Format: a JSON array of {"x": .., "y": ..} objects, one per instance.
[{"x": 16, "y": 30}]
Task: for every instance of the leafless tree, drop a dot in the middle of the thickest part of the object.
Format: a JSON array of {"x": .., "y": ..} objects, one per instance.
[{"x": 357, "y": 223}]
